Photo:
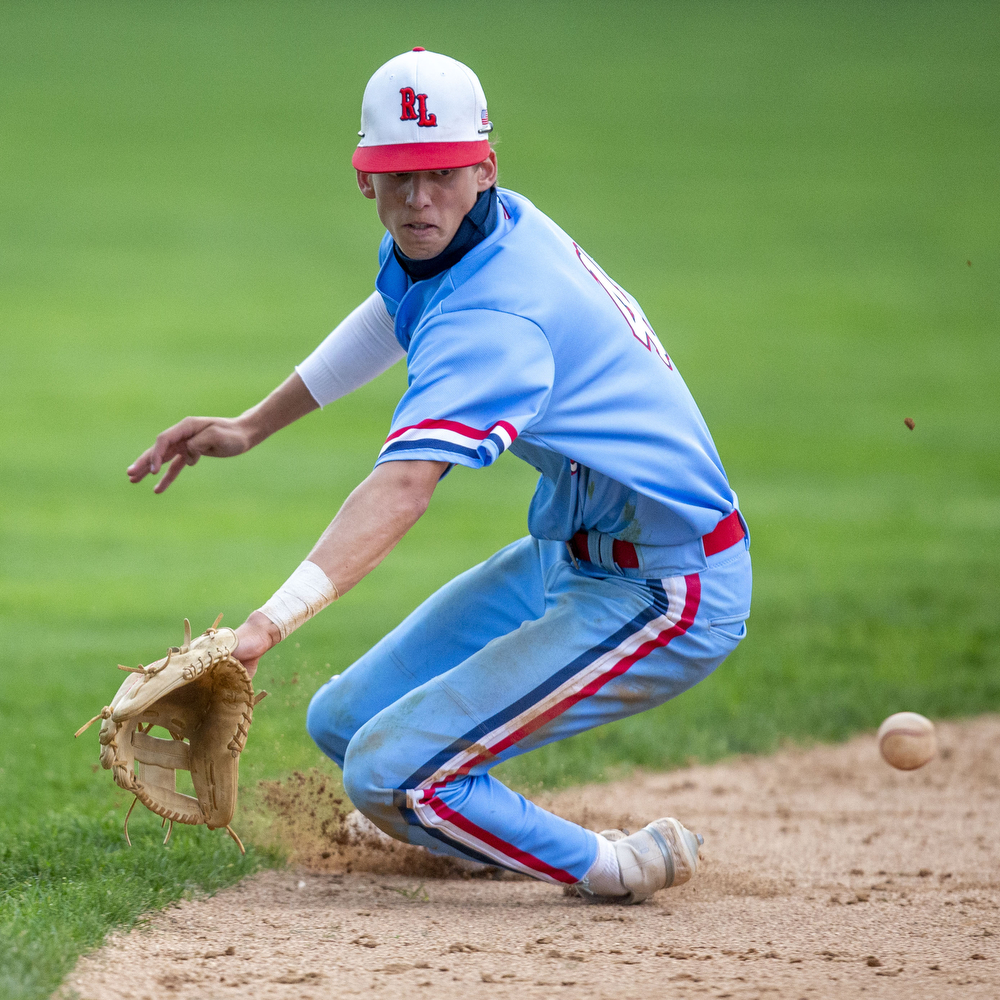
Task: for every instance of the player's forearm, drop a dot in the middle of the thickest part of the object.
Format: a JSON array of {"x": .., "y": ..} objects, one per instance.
[
  {"x": 373, "y": 519},
  {"x": 280, "y": 408}
]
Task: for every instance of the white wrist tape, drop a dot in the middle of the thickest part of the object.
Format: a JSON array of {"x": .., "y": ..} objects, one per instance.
[{"x": 305, "y": 593}]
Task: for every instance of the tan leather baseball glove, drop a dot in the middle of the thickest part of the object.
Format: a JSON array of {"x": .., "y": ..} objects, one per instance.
[{"x": 204, "y": 699}]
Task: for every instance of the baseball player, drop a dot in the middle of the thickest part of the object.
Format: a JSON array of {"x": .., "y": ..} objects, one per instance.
[{"x": 634, "y": 581}]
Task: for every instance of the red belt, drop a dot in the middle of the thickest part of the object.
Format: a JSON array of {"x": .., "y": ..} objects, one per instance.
[{"x": 727, "y": 532}]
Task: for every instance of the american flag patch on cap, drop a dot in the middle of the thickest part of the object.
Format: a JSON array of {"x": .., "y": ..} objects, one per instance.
[{"x": 486, "y": 118}]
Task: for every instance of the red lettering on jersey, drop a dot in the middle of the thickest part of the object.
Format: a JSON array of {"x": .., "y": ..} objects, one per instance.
[
  {"x": 409, "y": 98},
  {"x": 426, "y": 120},
  {"x": 637, "y": 323}
]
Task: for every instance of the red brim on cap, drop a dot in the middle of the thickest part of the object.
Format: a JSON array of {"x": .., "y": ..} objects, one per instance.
[{"x": 406, "y": 157}]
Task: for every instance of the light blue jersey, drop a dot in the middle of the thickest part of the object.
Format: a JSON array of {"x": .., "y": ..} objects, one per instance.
[{"x": 526, "y": 344}]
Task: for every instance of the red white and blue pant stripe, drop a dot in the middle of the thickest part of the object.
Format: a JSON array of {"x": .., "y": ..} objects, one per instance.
[{"x": 520, "y": 651}]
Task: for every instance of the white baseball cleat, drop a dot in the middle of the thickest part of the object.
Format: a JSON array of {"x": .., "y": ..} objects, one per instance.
[{"x": 662, "y": 854}]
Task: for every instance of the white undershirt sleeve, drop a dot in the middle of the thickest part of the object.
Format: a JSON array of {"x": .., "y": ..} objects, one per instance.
[{"x": 360, "y": 348}]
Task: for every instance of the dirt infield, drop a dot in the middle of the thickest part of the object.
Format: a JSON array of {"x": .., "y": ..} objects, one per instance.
[{"x": 826, "y": 874}]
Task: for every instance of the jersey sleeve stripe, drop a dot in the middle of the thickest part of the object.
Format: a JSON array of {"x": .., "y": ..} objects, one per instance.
[
  {"x": 463, "y": 430},
  {"x": 483, "y": 446},
  {"x": 435, "y": 444}
]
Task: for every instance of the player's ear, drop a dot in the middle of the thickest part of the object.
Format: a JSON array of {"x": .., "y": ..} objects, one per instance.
[
  {"x": 365, "y": 183},
  {"x": 486, "y": 172}
]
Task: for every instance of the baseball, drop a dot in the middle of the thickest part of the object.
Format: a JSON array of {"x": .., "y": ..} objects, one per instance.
[{"x": 907, "y": 740}]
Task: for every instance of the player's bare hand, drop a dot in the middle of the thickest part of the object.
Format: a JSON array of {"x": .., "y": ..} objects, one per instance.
[
  {"x": 184, "y": 443},
  {"x": 256, "y": 636}
]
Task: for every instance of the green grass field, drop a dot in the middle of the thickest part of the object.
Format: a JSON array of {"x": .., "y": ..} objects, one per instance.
[{"x": 805, "y": 199}]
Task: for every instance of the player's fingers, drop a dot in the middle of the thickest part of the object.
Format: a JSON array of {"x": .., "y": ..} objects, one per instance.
[
  {"x": 158, "y": 452},
  {"x": 172, "y": 473},
  {"x": 139, "y": 469},
  {"x": 181, "y": 440},
  {"x": 169, "y": 442}
]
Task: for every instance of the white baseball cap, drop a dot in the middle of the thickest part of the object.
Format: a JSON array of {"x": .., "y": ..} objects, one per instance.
[{"x": 422, "y": 111}]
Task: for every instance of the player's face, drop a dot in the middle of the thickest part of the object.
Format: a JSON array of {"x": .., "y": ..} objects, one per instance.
[{"x": 423, "y": 210}]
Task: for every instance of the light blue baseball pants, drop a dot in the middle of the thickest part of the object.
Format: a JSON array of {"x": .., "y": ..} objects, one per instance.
[{"x": 522, "y": 650}]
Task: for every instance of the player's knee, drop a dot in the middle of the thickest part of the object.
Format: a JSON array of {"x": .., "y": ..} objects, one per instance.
[
  {"x": 358, "y": 785},
  {"x": 370, "y": 777},
  {"x": 325, "y": 723}
]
